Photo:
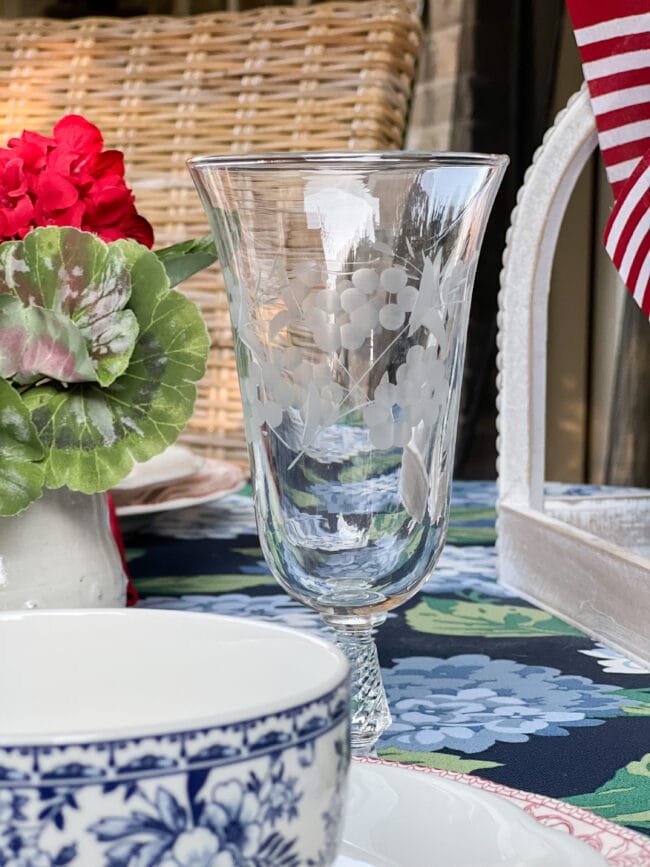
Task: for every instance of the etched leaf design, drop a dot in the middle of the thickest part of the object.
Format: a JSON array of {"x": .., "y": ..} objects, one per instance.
[
  {"x": 20, "y": 454},
  {"x": 428, "y": 292},
  {"x": 81, "y": 280}
]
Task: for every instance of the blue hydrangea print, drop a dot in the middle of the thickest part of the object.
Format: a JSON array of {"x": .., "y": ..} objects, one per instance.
[
  {"x": 466, "y": 569},
  {"x": 468, "y": 703},
  {"x": 274, "y": 608}
]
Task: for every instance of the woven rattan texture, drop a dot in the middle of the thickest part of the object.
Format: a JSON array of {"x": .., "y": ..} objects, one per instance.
[{"x": 163, "y": 89}]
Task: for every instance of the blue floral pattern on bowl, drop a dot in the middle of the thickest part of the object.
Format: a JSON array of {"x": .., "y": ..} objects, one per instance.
[{"x": 228, "y": 796}]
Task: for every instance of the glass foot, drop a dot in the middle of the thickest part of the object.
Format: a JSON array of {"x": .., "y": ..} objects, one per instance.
[{"x": 370, "y": 714}]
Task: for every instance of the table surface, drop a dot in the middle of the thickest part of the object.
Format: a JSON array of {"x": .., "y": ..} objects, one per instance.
[{"x": 479, "y": 681}]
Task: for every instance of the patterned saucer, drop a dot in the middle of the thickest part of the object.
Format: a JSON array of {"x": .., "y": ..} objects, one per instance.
[{"x": 400, "y": 789}]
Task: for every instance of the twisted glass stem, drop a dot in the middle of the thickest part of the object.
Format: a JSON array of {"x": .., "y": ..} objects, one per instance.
[{"x": 370, "y": 714}]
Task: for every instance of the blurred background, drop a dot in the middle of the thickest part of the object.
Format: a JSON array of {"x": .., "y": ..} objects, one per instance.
[{"x": 492, "y": 75}]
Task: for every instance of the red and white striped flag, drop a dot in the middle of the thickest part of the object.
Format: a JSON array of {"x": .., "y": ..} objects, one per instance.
[{"x": 613, "y": 37}]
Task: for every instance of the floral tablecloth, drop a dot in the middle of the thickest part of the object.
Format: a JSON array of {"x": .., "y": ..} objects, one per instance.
[{"x": 478, "y": 680}]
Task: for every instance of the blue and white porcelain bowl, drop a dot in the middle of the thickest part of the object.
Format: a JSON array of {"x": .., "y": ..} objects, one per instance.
[{"x": 133, "y": 738}]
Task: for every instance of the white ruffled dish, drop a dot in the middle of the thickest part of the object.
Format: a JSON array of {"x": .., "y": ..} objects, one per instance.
[
  {"x": 175, "y": 479},
  {"x": 176, "y": 462},
  {"x": 177, "y": 503},
  {"x": 415, "y": 817}
]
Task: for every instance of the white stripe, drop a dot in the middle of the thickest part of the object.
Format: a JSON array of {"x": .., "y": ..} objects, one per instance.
[
  {"x": 643, "y": 281},
  {"x": 610, "y": 29},
  {"x": 621, "y": 98},
  {"x": 623, "y": 134},
  {"x": 631, "y": 201},
  {"x": 630, "y": 60},
  {"x": 641, "y": 230},
  {"x": 621, "y": 171}
]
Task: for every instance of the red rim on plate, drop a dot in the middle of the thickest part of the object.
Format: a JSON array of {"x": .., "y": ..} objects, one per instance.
[{"x": 621, "y": 846}]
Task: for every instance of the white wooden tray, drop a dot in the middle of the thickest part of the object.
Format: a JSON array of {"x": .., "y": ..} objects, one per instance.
[{"x": 585, "y": 559}]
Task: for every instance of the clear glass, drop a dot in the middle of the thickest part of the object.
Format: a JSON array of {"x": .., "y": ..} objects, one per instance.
[{"x": 349, "y": 280}]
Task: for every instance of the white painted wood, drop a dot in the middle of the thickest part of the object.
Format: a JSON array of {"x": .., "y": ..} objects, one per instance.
[
  {"x": 592, "y": 584},
  {"x": 586, "y": 562}
]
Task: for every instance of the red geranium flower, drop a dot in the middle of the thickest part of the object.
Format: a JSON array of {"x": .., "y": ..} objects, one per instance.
[{"x": 67, "y": 180}]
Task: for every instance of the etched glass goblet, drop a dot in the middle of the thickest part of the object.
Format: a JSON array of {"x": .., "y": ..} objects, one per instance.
[{"x": 349, "y": 278}]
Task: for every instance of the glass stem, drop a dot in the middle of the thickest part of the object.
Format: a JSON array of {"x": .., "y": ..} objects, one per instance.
[{"x": 370, "y": 714}]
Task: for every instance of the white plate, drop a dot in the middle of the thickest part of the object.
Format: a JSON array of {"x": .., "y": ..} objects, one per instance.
[
  {"x": 174, "y": 463},
  {"x": 415, "y": 817},
  {"x": 180, "y": 503}
]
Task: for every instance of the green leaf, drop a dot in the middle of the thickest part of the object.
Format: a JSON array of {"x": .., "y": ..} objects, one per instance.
[
  {"x": 179, "y": 585},
  {"x": 625, "y": 798},
  {"x": 388, "y": 523},
  {"x": 301, "y": 499},
  {"x": 440, "y": 761},
  {"x": 362, "y": 467},
  {"x": 641, "y": 697},
  {"x": 85, "y": 284},
  {"x": 471, "y": 535},
  {"x": 134, "y": 553},
  {"x": 465, "y": 514},
  {"x": 439, "y": 616},
  {"x": 92, "y": 435},
  {"x": 37, "y": 343},
  {"x": 18, "y": 438},
  {"x": 20, "y": 453},
  {"x": 22, "y": 483},
  {"x": 471, "y": 526},
  {"x": 182, "y": 260}
]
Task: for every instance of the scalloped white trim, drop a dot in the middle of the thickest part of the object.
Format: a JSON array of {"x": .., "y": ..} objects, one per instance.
[
  {"x": 583, "y": 562},
  {"x": 523, "y": 298}
]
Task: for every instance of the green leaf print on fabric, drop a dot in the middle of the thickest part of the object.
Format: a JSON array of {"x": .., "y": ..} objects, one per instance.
[
  {"x": 253, "y": 553},
  {"x": 134, "y": 553},
  {"x": 640, "y": 701},
  {"x": 471, "y": 526},
  {"x": 440, "y": 761},
  {"x": 625, "y": 798},
  {"x": 180, "y": 585},
  {"x": 458, "y": 617}
]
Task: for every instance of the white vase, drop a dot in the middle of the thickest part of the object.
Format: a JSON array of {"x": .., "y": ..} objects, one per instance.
[{"x": 60, "y": 553}]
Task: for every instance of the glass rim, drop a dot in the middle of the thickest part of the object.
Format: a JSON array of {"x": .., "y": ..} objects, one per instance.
[{"x": 346, "y": 160}]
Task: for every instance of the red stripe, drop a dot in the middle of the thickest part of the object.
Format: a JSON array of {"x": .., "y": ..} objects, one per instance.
[
  {"x": 614, "y": 46},
  {"x": 618, "y": 203},
  {"x": 617, "y": 254},
  {"x": 621, "y": 116},
  {"x": 620, "y": 81},
  {"x": 618, "y": 187},
  {"x": 639, "y": 259},
  {"x": 629, "y": 151},
  {"x": 584, "y": 13}
]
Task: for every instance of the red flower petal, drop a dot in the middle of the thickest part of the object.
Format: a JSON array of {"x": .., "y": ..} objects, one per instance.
[
  {"x": 109, "y": 163},
  {"x": 54, "y": 192},
  {"x": 16, "y": 219},
  {"x": 80, "y": 135},
  {"x": 139, "y": 229},
  {"x": 12, "y": 179},
  {"x": 111, "y": 204}
]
